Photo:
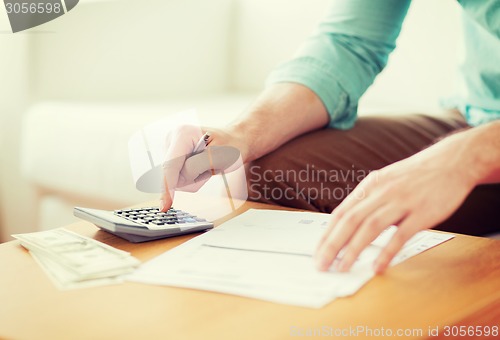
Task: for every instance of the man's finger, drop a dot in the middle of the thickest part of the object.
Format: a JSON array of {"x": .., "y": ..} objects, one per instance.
[
  {"x": 405, "y": 231},
  {"x": 194, "y": 187},
  {"x": 171, "y": 170},
  {"x": 338, "y": 213},
  {"x": 333, "y": 222},
  {"x": 344, "y": 230},
  {"x": 371, "y": 228}
]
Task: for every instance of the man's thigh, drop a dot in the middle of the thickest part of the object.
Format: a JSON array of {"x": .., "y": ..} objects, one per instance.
[{"x": 318, "y": 170}]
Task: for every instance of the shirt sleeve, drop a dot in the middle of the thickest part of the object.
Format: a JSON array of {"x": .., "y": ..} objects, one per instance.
[
  {"x": 486, "y": 13},
  {"x": 339, "y": 62}
]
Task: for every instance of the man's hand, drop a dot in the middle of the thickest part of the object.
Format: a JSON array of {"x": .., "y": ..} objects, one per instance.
[
  {"x": 414, "y": 194},
  {"x": 180, "y": 144}
]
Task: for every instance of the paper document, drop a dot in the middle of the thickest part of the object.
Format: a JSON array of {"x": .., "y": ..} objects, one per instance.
[{"x": 267, "y": 254}]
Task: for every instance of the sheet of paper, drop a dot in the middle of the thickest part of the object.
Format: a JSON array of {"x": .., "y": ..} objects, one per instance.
[{"x": 267, "y": 254}]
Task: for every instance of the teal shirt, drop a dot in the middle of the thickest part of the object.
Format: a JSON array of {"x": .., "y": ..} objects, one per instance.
[{"x": 353, "y": 43}]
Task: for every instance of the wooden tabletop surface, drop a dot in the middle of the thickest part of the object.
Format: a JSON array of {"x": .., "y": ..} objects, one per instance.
[{"x": 456, "y": 283}]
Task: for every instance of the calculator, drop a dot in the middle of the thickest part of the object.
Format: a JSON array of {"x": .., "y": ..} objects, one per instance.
[{"x": 144, "y": 224}]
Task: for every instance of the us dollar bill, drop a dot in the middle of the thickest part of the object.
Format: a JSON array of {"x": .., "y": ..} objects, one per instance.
[{"x": 85, "y": 257}]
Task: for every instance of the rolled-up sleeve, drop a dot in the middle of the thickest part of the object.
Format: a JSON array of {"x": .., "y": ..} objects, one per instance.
[{"x": 341, "y": 60}]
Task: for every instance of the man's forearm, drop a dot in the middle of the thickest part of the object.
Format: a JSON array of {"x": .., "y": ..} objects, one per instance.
[
  {"x": 477, "y": 153},
  {"x": 281, "y": 113},
  {"x": 486, "y": 145}
]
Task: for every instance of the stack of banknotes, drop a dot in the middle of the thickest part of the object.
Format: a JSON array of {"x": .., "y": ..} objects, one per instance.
[{"x": 75, "y": 261}]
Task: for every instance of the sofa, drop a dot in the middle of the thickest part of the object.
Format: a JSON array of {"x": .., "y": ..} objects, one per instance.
[{"x": 106, "y": 68}]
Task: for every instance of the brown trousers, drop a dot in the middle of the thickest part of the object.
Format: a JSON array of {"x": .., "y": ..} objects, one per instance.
[{"x": 318, "y": 170}]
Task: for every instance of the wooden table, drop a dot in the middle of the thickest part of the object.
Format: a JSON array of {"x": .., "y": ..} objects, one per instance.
[{"x": 456, "y": 283}]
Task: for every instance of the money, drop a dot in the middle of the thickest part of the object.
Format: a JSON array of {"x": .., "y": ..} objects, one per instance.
[{"x": 74, "y": 261}]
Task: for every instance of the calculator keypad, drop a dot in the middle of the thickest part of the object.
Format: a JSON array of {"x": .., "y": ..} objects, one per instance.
[{"x": 153, "y": 219}]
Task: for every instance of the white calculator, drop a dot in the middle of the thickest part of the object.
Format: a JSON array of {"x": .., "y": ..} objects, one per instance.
[{"x": 144, "y": 224}]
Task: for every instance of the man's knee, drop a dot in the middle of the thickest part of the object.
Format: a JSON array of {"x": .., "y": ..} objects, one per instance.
[
  {"x": 266, "y": 181},
  {"x": 278, "y": 180}
]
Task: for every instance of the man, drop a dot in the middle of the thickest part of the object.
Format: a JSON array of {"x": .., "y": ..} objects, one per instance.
[{"x": 306, "y": 121}]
